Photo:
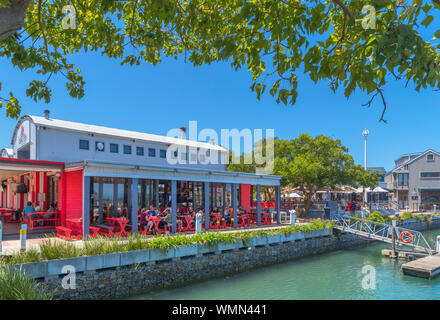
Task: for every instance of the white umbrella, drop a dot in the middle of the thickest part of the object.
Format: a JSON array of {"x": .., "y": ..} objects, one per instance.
[
  {"x": 294, "y": 195},
  {"x": 380, "y": 189}
]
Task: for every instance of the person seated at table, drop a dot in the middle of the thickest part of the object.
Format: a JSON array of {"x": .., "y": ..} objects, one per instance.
[
  {"x": 145, "y": 221},
  {"x": 28, "y": 209},
  {"x": 37, "y": 207},
  {"x": 242, "y": 210},
  {"x": 227, "y": 215},
  {"x": 152, "y": 211},
  {"x": 52, "y": 208},
  {"x": 168, "y": 220},
  {"x": 215, "y": 211}
]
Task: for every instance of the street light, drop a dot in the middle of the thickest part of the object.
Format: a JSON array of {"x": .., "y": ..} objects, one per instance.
[{"x": 365, "y": 133}]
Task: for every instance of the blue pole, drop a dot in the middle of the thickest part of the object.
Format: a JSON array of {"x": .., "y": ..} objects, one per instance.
[
  {"x": 174, "y": 206},
  {"x": 134, "y": 205},
  {"x": 206, "y": 185},
  {"x": 234, "y": 204},
  {"x": 258, "y": 205}
]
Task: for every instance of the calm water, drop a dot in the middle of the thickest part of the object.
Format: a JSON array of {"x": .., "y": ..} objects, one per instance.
[{"x": 336, "y": 275}]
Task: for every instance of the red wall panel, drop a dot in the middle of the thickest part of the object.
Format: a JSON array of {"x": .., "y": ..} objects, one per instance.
[
  {"x": 72, "y": 202},
  {"x": 245, "y": 192}
]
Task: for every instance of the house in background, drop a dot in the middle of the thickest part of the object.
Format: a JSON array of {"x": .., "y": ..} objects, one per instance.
[{"x": 415, "y": 181}]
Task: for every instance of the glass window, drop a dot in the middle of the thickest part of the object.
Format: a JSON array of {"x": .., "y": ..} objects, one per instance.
[
  {"x": 163, "y": 154},
  {"x": 99, "y": 146},
  {"x": 430, "y": 157},
  {"x": 127, "y": 149},
  {"x": 140, "y": 151},
  {"x": 84, "y": 144},
  {"x": 114, "y": 147},
  {"x": 403, "y": 179},
  {"x": 151, "y": 152}
]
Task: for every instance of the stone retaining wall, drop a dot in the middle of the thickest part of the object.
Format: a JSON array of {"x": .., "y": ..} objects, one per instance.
[{"x": 142, "y": 277}]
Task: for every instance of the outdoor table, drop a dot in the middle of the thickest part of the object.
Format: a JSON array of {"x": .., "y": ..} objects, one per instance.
[
  {"x": 188, "y": 220},
  {"x": 244, "y": 220},
  {"x": 76, "y": 226},
  {"x": 121, "y": 227},
  {"x": 218, "y": 221},
  {"x": 156, "y": 220}
]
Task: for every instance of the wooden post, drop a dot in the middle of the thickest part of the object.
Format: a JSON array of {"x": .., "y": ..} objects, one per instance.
[{"x": 393, "y": 240}]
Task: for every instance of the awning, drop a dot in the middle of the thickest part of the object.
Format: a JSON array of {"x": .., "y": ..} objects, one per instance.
[{"x": 13, "y": 167}]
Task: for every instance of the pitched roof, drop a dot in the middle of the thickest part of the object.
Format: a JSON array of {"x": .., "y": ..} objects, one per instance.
[
  {"x": 415, "y": 159},
  {"x": 106, "y": 131}
]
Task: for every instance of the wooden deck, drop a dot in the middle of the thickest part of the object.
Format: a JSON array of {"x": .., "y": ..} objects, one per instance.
[{"x": 428, "y": 267}]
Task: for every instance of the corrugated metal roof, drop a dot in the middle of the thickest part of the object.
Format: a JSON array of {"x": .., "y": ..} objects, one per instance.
[{"x": 126, "y": 134}]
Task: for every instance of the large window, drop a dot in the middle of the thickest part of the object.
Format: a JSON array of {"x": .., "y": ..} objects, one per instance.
[
  {"x": 402, "y": 179},
  {"x": 151, "y": 152},
  {"x": 84, "y": 144},
  {"x": 163, "y": 154}
]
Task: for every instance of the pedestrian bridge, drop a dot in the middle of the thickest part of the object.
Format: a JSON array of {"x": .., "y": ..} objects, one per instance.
[{"x": 383, "y": 232}]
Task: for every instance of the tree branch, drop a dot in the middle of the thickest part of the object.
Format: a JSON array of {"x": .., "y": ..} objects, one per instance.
[{"x": 347, "y": 11}]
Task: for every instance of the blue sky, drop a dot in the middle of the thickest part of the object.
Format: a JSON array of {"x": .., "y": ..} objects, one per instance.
[{"x": 156, "y": 99}]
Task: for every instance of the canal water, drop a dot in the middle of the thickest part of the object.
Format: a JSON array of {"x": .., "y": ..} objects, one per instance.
[{"x": 335, "y": 275}]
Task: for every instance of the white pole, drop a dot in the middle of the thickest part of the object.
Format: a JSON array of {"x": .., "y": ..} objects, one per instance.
[
  {"x": 199, "y": 216},
  {"x": 23, "y": 232},
  {"x": 365, "y": 167},
  {"x": 292, "y": 217},
  {"x": 438, "y": 245}
]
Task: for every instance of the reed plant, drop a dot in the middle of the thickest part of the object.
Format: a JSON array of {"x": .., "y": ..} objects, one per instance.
[{"x": 15, "y": 285}]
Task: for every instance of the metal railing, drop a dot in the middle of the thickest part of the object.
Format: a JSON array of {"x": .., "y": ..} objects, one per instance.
[{"x": 382, "y": 232}]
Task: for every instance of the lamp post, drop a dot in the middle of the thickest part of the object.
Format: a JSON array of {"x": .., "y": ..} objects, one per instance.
[{"x": 365, "y": 133}]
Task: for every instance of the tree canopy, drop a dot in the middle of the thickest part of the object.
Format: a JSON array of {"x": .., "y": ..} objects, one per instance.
[{"x": 339, "y": 41}]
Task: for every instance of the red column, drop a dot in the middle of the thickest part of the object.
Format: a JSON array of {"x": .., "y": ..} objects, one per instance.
[
  {"x": 45, "y": 191},
  {"x": 245, "y": 195}
]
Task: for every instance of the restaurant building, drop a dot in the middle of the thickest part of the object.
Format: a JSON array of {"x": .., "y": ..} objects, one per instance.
[{"x": 89, "y": 171}]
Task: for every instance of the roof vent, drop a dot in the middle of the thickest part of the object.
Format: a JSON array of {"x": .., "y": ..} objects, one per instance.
[
  {"x": 182, "y": 133},
  {"x": 46, "y": 113}
]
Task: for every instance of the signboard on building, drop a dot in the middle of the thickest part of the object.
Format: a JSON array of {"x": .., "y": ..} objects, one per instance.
[{"x": 22, "y": 137}]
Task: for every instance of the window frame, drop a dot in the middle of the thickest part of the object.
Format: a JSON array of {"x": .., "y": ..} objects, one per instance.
[
  {"x": 138, "y": 149},
  {"x": 88, "y": 144},
  {"x": 125, "y": 148},
  {"x": 114, "y": 145},
  {"x": 152, "y": 152}
]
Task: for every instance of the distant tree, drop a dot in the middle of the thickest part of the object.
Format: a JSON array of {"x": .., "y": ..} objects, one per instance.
[
  {"x": 311, "y": 164},
  {"x": 352, "y": 44}
]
